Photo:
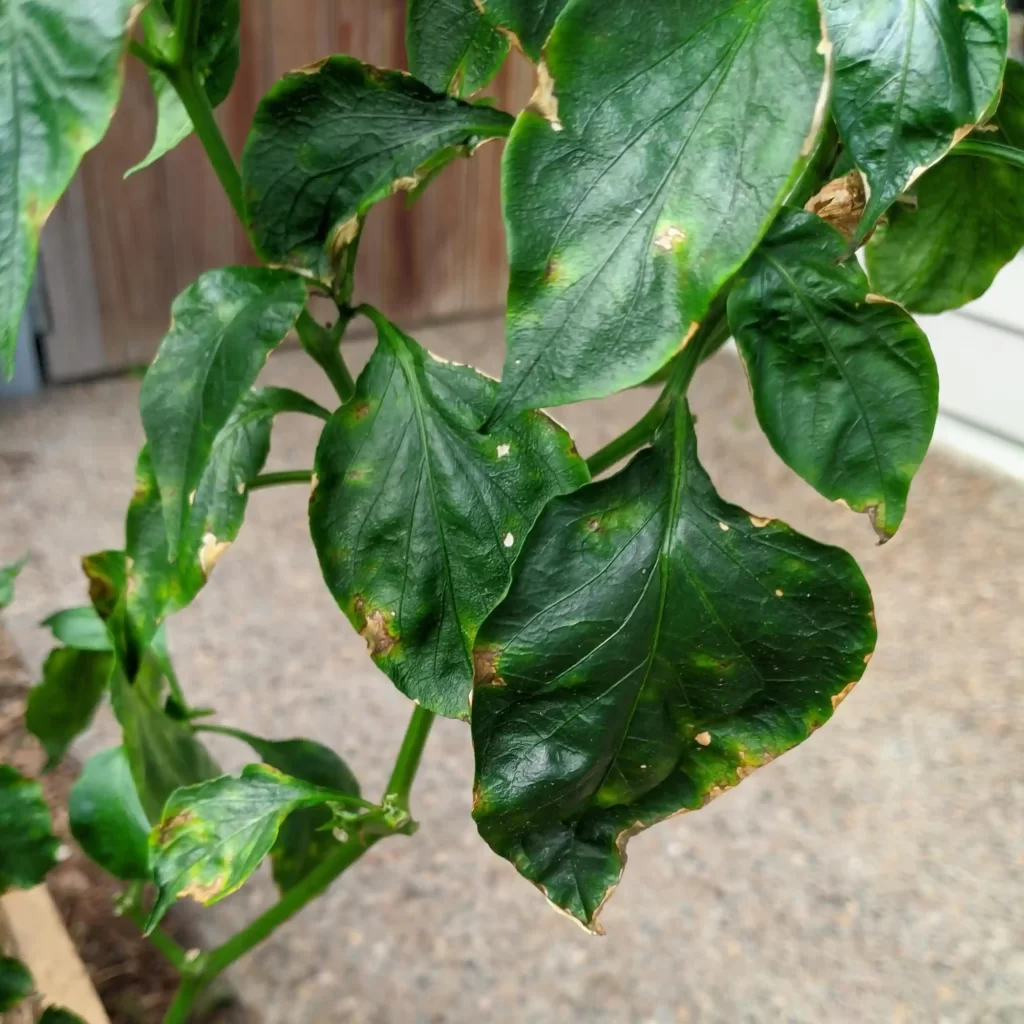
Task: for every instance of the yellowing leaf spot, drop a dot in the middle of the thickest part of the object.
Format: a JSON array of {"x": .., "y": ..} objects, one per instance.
[
  {"x": 210, "y": 552},
  {"x": 376, "y": 634},
  {"x": 406, "y": 184},
  {"x": 503, "y": 450},
  {"x": 838, "y": 698},
  {"x": 344, "y": 235},
  {"x": 191, "y": 499},
  {"x": 703, "y": 738},
  {"x": 509, "y": 540},
  {"x": 204, "y": 892},
  {"x": 724, "y": 527},
  {"x": 759, "y": 522},
  {"x": 778, "y": 593},
  {"x": 543, "y": 101},
  {"x": 485, "y": 668},
  {"x": 669, "y": 238},
  {"x": 241, "y": 487}
]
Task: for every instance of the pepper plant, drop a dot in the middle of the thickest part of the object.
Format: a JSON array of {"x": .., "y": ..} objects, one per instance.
[{"x": 625, "y": 646}]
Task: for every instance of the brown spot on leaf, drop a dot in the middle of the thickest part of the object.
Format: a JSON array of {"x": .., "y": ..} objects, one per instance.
[
  {"x": 543, "y": 101},
  {"x": 759, "y": 522},
  {"x": 485, "y": 668},
  {"x": 343, "y": 235},
  {"x": 311, "y": 69},
  {"x": 838, "y": 698},
  {"x": 203, "y": 892},
  {"x": 172, "y": 825},
  {"x": 593, "y": 525},
  {"x": 210, "y": 553},
  {"x": 668, "y": 238},
  {"x": 841, "y": 203},
  {"x": 361, "y": 411},
  {"x": 375, "y": 632}
]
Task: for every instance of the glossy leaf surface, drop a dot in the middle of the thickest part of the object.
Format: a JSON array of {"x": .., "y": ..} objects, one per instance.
[
  {"x": 627, "y": 197},
  {"x": 216, "y": 60},
  {"x": 79, "y": 627},
  {"x": 911, "y": 77},
  {"x": 62, "y": 705},
  {"x": 330, "y": 141},
  {"x": 304, "y": 839},
  {"x": 844, "y": 383},
  {"x": 452, "y": 46},
  {"x": 964, "y": 223},
  {"x": 28, "y": 848},
  {"x": 417, "y": 517},
  {"x": 224, "y": 327},
  {"x": 8, "y": 574},
  {"x": 214, "y": 836},
  {"x": 656, "y": 646},
  {"x": 16, "y": 983},
  {"x": 107, "y": 818},
  {"x": 61, "y": 62}
]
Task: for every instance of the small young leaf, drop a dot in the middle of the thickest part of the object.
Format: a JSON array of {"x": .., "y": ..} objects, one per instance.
[
  {"x": 628, "y": 201},
  {"x": 107, "y": 818},
  {"x": 81, "y": 628},
  {"x": 213, "y": 836},
  {"x": 844, "y": 384},
  {"x": 163, "y": 753},
  {"x": 63, "y": 64},
  {"x": 62, "y": 705},
  {"x": 216, "y": 59},
  {"x": 417, "y": 517},
  {"x": 656, "y": 646},
  {"x": 8, "y": 574},
  {"x": 60, "y": 1015},
  {"x": 453, "y": 46},
  {"x": 964, "y": 223},
  {"x": 224, "y": 327},
  {"x": 304, "y": 839},
  {"x": 16, "y": 983},
  {"x": 331, "y": 140},
  {"x": 890, "y": 57},
  {"x": 28, "y": 848}
]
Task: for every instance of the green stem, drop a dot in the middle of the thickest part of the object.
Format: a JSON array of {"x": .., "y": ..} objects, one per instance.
[
  {"x": 991, "y": 151},
  {"x": 181, "y": 1007},
  {"x": 323, "y": 346},
  {"x": 399, "y": 785},
  {"x": 636, "y": 437},
  {"x": 187, "y": 14},
  {"x": 289, "y": 476},
  {"x": 174, "y": 953}
]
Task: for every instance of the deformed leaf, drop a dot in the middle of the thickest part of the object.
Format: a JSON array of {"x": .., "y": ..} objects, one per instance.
[
  {"x": 305, "y": 838},
  {"x": 212, "y": 837},
  {"x": 656, "y": 646},
  {"x": 81, "y": 628},
  {"x": 63, "y": 704},
  {"x": 223, "y": 329},
  {"x": 629, "y": 190},
  {"x": 8, "y": 574},
  {"x": 912, "y": 77},
  {"x": 28, "y": 847},
  {"x": 62, "y": 64},
  {"x": 107, "y": 818},
  {"x": 452, "y": 45},
  {"x": 329, "y": 141},
  {"x": 417, "y": 517},
  {"x": 844, "y": 383},
  {"x": 963, "y": 223},
  {"x": 216, "y": 58},
  {"x": 16, "y": 983}
]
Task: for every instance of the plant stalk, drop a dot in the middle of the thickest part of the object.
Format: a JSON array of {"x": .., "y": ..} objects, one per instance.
[
  {"x": 290, "y": 476},
  {"x": 174, "y": 953},
  {"x": 323, "y": 347},
  {"x": 399, "y": 785},
  {"x": 990, "y": 150}
]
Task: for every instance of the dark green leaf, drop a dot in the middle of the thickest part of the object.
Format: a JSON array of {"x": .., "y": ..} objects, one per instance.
[
  {"x": 305, "y": 838},
  {"x": 844, "y": 382},
  {"x": 163, "y": 753},
  {"x": 63, "y": 62},
  {"x": 911, "y": 77},
  {"x": 238, "y": 454},
  {"x": 216, "y": 60},
  {"x": 417, "y": 517},
  {"x": 212, "y": 837},
  {"x": 452, "y": 46},
  {"x": 656, "y": 646},
  {"x": 224, "y": 327},
  {"x": 8, "y": 574},
  {"x": 964, "y": 221},
  {"x": 330, "y": 141},
  {"x": 627, "y": 198},
  {"x": 28, "y": 848},
  {"x": 16, "y": 983},
  {"x": 62, "y": 705},
  {"x": 59, "y": 1015},
  {"x": 107, "y": 817},
  {"x": 79, "y": 627}
]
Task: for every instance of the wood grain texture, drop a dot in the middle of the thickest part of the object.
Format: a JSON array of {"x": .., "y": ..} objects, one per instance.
[{"x": 116, "y": 252}]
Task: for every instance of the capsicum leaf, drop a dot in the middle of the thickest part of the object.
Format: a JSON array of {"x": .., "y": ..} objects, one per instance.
[{"x": 28, "y": 847}]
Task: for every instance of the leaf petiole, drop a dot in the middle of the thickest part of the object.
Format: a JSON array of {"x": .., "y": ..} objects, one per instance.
[
  {"x": 990, "y": 150},
  {"x": 291, "y": 476}
]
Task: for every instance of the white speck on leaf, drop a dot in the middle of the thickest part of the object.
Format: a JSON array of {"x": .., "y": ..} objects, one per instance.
[
  {"x": 724, "y": 527},
  {"x": 703, "y": 738},
  {"x": 503, "y": 450},
  {"x": 210, "y": 552},
  {"x": 509, "y": 540}
]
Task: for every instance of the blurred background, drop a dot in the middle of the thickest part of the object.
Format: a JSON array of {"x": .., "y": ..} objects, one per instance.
[{"x": 875, "y": 874}]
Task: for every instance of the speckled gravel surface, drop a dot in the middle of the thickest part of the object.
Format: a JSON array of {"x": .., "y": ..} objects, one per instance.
[{"x": 876, "y": 874}]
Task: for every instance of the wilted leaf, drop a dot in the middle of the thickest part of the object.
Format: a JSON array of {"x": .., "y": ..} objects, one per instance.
[
  {"x": 911, "y": 77},
  {"x": 845, "y": 384},
  {"x": 107, "y": 818},
  {"x": 656, "y": 646},
  {"x": 28, "y": 848},
  {"x": 79, "y": 627},
  {"x": 331, "y": 140},
  {"x": 224, "y": 327},
  {"x": 62, "y": 705},
  {"x": 63, "y": 64},
  {"x": 8, "y": 574},
  {"x": 630, "y": 188},
  {"x": 16, "y": 983},
  {"x": 417, "y": 517},
  {"x": 212, "y": 837},
  {"x": 963, "y": 223}
]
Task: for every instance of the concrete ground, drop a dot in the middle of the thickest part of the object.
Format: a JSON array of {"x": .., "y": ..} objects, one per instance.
[{"x": 875, "y": 874}]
